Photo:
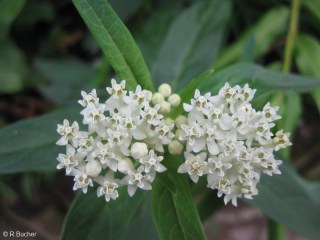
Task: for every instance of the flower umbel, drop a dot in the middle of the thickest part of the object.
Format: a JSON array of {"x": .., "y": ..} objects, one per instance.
[
  {"x": 223, "y": 138},
  {"x": 234, "y": 140}
]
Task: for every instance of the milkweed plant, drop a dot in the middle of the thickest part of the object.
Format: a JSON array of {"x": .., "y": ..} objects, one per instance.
[{"x": 222, "y": 138}]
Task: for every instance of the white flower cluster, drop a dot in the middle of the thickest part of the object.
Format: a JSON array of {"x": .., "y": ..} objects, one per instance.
[
  {"x": 225, "y": 139},
  {"x": 230, "y": 142},
  {"x": 123, "y": 145}
]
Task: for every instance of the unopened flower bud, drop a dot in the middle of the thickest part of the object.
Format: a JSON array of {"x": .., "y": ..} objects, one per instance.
[
  {"x": 157, "y": 98},
  {"x": 177, "y": 133},
  {"x": 165, "y": 90},
  {"x": 174, "y": 100},
  {"x": 175, "y": 147},
  {"x": 181, "y": 120},
  {"x": 169, "y": 121},
  {"x": 93, "y": 168},
  {"x": 125, "y": 165},
  {"x": 139, "y": 150},
  {"x": 165, "y": 107}
]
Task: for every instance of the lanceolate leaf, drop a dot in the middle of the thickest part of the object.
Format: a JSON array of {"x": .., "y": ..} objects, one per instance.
[
  {"x": 258, "y": 77},
  {"x": 115, "y": 41},
  {"x": 93, "y": 218},
  {"x": 174, "y": 213},
  {"x": 29, "y": 145},
  {"x": 192, "y": 43}
]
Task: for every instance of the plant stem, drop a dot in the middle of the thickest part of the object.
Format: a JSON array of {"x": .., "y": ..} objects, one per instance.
[
  {"x": 294, "y": 18},
  {"x": 276, "y": 231}
]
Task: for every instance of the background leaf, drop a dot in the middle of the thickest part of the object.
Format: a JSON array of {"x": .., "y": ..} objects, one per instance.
[
  {"x": 8, "y": 12},
  {"x": 264, "y": 32},
  {"x": 64, "y": 79},
  {"x": 174, "y": 213},
  {"x": 192, "y": 43},
  {"x": 307, "y": 56},
  {"x": 29, "y": 145},
  {"x": 13, "y": 68},
  {"x": 291, "y": 201},
  {"x": 115, "y": 41},
  {"x": 94, "y": 218}
]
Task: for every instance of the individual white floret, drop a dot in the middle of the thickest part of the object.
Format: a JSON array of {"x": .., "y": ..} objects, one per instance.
[
  {"x": 89, "y": 98},
  {"x": 152, "y": 162},
  {"x": 281, "y": 140},
  {"x": 117, "y": 90},
  {"x": 135, "y": 179},
  {"x": 69, "y": 161},
  {"x": 67, "y": 132},
  {"x": 194, "y": 165},
  {"x": 82, "y": 181},
  {"x": 165, "y": 90},
  {"x": 108, "y": 187}
]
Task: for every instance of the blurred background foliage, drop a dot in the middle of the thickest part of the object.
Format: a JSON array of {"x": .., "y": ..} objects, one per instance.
[{"x": 47, "y": 56}]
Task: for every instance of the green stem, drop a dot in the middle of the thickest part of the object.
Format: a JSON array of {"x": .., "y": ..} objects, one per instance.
[
  {"x": 293, "y": 27},
  {"x": 276, "y": 231}
]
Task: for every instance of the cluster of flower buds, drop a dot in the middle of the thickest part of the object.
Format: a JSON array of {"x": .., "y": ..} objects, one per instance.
[
  {"x": 124, "y": 143},
  {"x": 230, "y": 142},
  {"x": 223, "y": 137}
]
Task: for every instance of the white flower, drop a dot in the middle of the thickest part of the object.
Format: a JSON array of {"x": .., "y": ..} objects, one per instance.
[
  {"x": 67, "y": 132},
  {"x": 125, "y": 165},
  {"x": 195, "y": 166},
  {"x": 136, "y": 179},
  {"x": 117, "y": 90},
  {"x": 108, "y": 187},
  {"x": 152, "y": 162},
  {"x": 281, "y": 140},
  {"x": 82, "y": 181},
  {"x": 89, "y": 98},
  {"x": 69, "y": 161}
]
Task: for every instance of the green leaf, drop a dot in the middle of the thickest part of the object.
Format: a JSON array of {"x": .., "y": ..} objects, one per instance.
[
  {"x": 29, "y": 145},
  {"x": 13, "y": 68},
  {"x": 192, "y": 43},
  {"x": 115, "y": 41},
  {"x": 159, "y": 22},
  {"x": 313, "y": 7},
  {"x": 142, "y": 226},
  {"x": 291, "y": 201},
  {"x": 8, "y": 12},
  {"x": 93, "y": 218},
  {"x": 256, "y": 76},
  {"x": 63, "y": 79},
  {"x": 307, "y": 56},
  {"x": 265, "y": 31},
  {"x": 175, "y": 214}
]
